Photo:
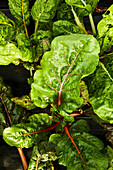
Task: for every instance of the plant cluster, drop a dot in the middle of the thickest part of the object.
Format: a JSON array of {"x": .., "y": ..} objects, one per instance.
[{"x": 71, "y": 75}]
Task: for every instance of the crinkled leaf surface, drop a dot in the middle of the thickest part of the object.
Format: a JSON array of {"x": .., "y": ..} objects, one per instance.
[
  {"x": 20, "y": 10},
  {"x": 44, "y": 10},
  {"x": 9, "y": 53},
  {"x": 42, "y": 40},
  {"x": 18, "y": 135},
  {"x": 84, "y": 92},
  {"x": 7, "y": 29},
  {"x": 105, "y": 29},
  {"x": 109, "y": 132},
  {"x": 24, "y": 101},
  {"x": 64, "y": 12},
  {"x": 71, "y": 58},
  {"x": 83, "y": 8},
  {"x": 63, "y": 27},
  {"x": 15, "y": 112},
  {"x": 45, "y": 155},
  {"x": 110, "y": 155},
  {"x": 91, "y": 149},
  {"x": 100, "y": 88},
  {"x": 28, "y": 53}
]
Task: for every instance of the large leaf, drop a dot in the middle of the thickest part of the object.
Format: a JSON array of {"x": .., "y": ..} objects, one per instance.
[
  {"x": 101, "y": 91},
  {"x": 44, "y": 10},
  {"x": 105, "y": 29},
  {"x": 90, "y": 147},
  {"x": 9, "y": 53},
  {"x": 20, "y": 135},
  {"x": 20, "y": 10},
  {"x": 63, "y": 27},
  {"x": 71, "y": 58}
]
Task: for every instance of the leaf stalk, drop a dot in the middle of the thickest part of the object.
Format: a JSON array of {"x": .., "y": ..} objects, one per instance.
[
  {"x": 78, "y": 21},
  {"x": 92, "y": 24}
]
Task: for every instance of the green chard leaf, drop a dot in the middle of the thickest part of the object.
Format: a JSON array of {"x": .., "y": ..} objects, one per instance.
[
  {"x": 20, "y": 10},
  {"x": 110, "y": 156},
  {"x": 83, "y": 7},
  {"x": 44, "y": 155},
  {"x": 65, "y": 27},
  {"x": 21, "y": 135},
  {"x": 100, "y": 87},
  {"x": 64, "y": 12},
  {"x": 9, "y": 53},
  {"x": 42, "y": 40},
  {"x": 7, "y": 29},
  {"x": 24, "y": 101},
  {"x": 14, "y": 111},
  {"x": 24, "y": 44},
  {"x": 44, "y": 11},
  {"x": 105, "y": 29},
  {"x": 71, "y": 58},
  {"x": 90, "y": 147}
]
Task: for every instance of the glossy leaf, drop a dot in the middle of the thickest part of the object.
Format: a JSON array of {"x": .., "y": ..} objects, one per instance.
[
  {"x": 42, "y": 40},
  {"x": 83, "y": 7},
  {"x": 9, "y": 53},
  {"x": 7, "y": 107},
  {"x": 109, "y": 132},
  {"x": 84, "y": 92},
  {"x": 20, "y": 10},
  {"x": 7, "y": 29},
  {"x": 24, "y": 101},
  {"x": 44, "y": 10},
  {"x": 63, "y": 27},
  {"x": 64, "y": 12},
  {"x": 28, "y": 53},
  {"x": 101, "y": 91},
  {"x": 71, "y": 58},
  {"x": 20, "y": 135},
  {"x": 105, "y": 29},
  {"x": 45, "y": 157},
  {"x": 110, "y": 155},
  {"x": 91, "y": 149}
]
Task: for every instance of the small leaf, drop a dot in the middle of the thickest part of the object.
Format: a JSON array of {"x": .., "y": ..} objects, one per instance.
[
  {"x": 63, "y": 27},
  {"x": 110, "y": 156},
  {"x": 28, "y": 53},
  {"x": 24, "y": 101},
  {"x": 105, "y": 29},
  {"x": 83, "y": 7},
  {"x": 7, "y": 30},
  {"x": 9, "y": 53},
  {"x": 44, "y": 10},
  {"x": 45, "y": 158},
  {"x": 42, "y": 40},
  {"x": 64, "y": 12}
]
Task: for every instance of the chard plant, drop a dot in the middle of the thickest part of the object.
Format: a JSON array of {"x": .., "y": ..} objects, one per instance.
[{"x": 71, "y": 75}]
